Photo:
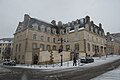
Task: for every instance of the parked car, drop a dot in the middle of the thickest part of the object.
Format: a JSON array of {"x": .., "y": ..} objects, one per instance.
[
  {"x": 9, "y": 62},
  {"x": 87, "y": 60}
]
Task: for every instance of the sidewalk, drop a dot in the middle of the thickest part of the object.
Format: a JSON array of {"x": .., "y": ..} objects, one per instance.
[
  {"x": 110, "y": 75},
  {"x": 97, "y": 61}
]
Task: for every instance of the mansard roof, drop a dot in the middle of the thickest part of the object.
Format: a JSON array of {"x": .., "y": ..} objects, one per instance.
[
  {"x": 6, "y": 40},
  {"x": 28, "y": 22}
]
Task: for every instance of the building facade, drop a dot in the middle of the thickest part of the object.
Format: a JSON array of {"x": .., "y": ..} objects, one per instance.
[
  {"x": 113, "y": 43},
  {"x": 37, "y": 40},
  {"x": 6, "y": 47}
]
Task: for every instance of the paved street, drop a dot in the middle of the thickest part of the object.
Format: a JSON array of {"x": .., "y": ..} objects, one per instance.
[
  {"x": 84, "y": 72},
  {"x": 76, "y": 73}
]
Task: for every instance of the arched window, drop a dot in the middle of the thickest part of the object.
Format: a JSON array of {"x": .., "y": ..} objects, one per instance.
[
  {"x": 54, "y": 47},
  {"x": 67, "y": 47}
]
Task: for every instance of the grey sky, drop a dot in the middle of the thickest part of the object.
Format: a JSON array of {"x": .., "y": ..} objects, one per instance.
[{"x": 106, "y": 12}]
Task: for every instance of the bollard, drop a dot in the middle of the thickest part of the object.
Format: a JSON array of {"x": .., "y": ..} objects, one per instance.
[
  {"x": 46, "y": 65},
  {"x": 40, "y": 66},
  {"x": 68, "y": 64},
  {"x": 53, "y": 64}
]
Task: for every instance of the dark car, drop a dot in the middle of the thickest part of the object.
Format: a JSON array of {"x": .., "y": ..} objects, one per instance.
[
  {"x": 9, "y": 62},
  {"x": 87, "y": 60}
]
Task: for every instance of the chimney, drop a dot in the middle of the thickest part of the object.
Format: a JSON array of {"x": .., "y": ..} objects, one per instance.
[
  {"x": 87, "y": 19},
  {"x": 92, "y": 23},
  {"x": 60, "y": 24},
  {"x": 100, "y": 25},
  {"x": 26, "y": 20},
  {"x": 108, "y": 33},
  {"x": 53, "y": 22},
  {"x": 26, "y": 17}
]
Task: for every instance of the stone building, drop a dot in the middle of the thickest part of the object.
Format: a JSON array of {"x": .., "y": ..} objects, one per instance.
[
  {"x": 113, "y": 43},
  {"x": 38, "y": 41},
  {"x": 6, "y": 47}
]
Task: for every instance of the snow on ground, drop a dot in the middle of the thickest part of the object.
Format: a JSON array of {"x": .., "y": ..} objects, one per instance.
[
  {"x": 110, "y": 75},
  {"x": 69, "y": 64}
]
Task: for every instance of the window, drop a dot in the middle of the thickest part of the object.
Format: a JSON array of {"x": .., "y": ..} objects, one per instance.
[
  {"x": 34, "y": 36},
  {"x": 67, "y": 47},
  {"x": 19, "y": 47},
  {"x": 61, "y": 31},
  {"x": 22, "y": 56},
  {"x": 34, "y": 45},
  {"x": 67, "y": 30},
  {"x": 42, "y": 38},
  {"x": 97, "y": 40},
  {"x": 77, "y": 47},
  {"x": 0, "y": 44},
  {"x": 18, "y": 56},
  {"x": 42, "y": 46},
  {"x": 54, "y": 47},
  {"x": 0, "y": 50},
  {"x": 42, "y": 28},
  {"x": 102, "y": 49},
  {"x": 35, "y": 26},
  {"x": 97, "y": 48},
  {"x": 9, "y": 44},
  {"x": 48, "y": 47},
  {"x": 54, "y": 31},
  {"x": 53, "y": 40},
  {"x": 93, "y": 47},
  {"x": 16, "y": 47},
  {"x": 88, "y": 44},
  {"x": 48, "y": 30},
  {"x": 48, "y": 39}
]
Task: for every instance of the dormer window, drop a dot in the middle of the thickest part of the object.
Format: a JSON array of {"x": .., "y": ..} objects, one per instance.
[
  {"x": 87, "y": 26},
  {"x": 42, "y": 28},
  {"x": 95, "y": 30},
  {"x": 61, "y": 31},
  {"x": 92, "y": 28},
  {"x": 76, "y": 27},
  {"x": 35, "y": 26},
  {"x": 54, "y": 31},
  {"x": 48, "y": 30},
  {"x": 67, "y": 30}
]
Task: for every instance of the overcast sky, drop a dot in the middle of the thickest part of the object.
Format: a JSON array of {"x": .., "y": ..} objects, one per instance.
[{"x": 106, "y": 12}]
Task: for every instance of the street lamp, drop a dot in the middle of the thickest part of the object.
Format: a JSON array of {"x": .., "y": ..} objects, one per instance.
[{"x": 60, "y": 50}]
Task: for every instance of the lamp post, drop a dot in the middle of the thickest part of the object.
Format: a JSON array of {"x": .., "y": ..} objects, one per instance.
[{"x": 60, "y": 50}]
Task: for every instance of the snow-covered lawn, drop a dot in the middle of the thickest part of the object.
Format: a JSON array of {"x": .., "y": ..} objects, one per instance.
[{"x": 69, "y": 64}]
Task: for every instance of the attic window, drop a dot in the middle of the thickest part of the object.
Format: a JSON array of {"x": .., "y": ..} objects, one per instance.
[
  {"x": 35, "y": 26},
  {"x": 61, "y": 31},
  {"x": 54, "y": 31},
  {"x": 48, "y": 30},
  {"x": 42, "y": 28}
]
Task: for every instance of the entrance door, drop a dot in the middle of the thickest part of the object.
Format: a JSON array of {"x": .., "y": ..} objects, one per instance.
[{"x": 35, "y": 59}]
